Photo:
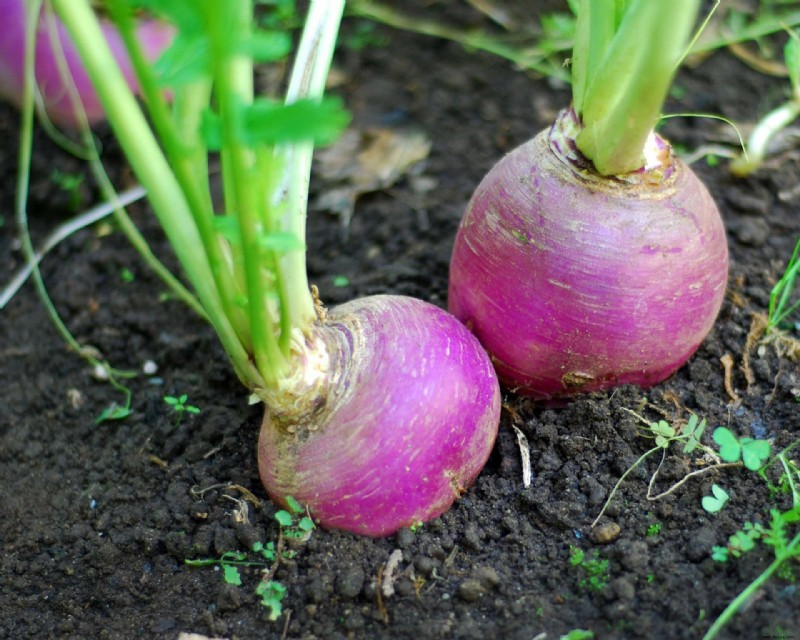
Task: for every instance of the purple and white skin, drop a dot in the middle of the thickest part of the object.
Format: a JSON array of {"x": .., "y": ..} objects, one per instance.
[
  {"x": 53, "y": 42},
  {"x": 575, "y": 282},
  {"x": 406, "y": 417}
]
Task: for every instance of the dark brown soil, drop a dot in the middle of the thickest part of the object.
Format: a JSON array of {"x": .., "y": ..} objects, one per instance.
[{"x": 96, "y": 520}]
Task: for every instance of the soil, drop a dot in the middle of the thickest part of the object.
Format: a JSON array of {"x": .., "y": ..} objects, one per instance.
[{"x": 97, "y": 520}]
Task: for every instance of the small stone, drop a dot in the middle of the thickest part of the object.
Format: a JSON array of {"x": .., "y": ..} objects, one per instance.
[
  {"x": 229, "y": 597},
  {"x": 472, "y": 538},
  {"x": 149, "y": 368},
  {"x": 471, "y": 590},
  {"x": 405, "y": 538},
  {"x": 487, "y": 576},
  {"x": 605, "y": 533},
  {"x": 350, "y": 582},
  {"x": 700, "y": 544},
  {"x": 623, "y": 589},
  {"x": 752, "y": 232}
]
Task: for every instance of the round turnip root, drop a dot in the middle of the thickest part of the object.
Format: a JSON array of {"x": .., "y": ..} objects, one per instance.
[
  {"x": 53, "y": 43},
  {"x": 576, "y": 282},
  {"x": 408, "y": 420}
]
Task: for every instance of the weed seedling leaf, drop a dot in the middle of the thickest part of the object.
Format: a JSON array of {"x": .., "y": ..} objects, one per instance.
[
  {"x": 717, "y": 500},
  {"x": 113, "y": 412},
  {"x": 664, "y": 432},
  {"x": 272, "y": 594},
  {"x": 294, "y": 506},
  {"x": 284, "y": 518},
  {"x": 230, "y": 574},
  {"x": 754, "y": 453},
  {"x": 694, "y": 431},
  {"x": 730, "y": 450}
]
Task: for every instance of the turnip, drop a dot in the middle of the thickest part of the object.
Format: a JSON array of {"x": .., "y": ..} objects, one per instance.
[
  {"x": 592, "y": 256},
  {"x": 61, "y": 81},
  {"x": 378, "y": 413}
]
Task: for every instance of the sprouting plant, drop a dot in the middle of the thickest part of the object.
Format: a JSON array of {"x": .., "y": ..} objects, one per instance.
[
  {"x": 777, "y": 119},
  {"x": 180, "y": 405},
  {"x": 665, "y": 435},
  {"x": 718, "y": 498},
  {"x": 71, "y": 184},
  {"x": 753, "y": 453},
  {"x": 126, "y": 275},
  {"x": 293, "y": 523},
  {"x": 777, "y": 535},
  {"x": 578, "y": 634},
  {"x": 781, "y": 305},
  {"x": 594, "y": 570},
  {"x": 653, "y": 529},
  {"x": 271, "y": 593}
]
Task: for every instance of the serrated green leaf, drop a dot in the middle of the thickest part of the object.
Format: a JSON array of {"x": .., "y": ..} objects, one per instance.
[
  {"x": 729, "y": 448},
  {"x": 266, "y": 46},
  {"x": 186, "y": 60},
  {"x": 268, "y": 122},
  {"x": 231, "y": 574},
  {"x": 272, "y": 593}
]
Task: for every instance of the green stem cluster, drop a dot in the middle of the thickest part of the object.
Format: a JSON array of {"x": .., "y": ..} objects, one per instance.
[
  {"x": 246, "y": 263},
  {"x": 623, "y": 62}
]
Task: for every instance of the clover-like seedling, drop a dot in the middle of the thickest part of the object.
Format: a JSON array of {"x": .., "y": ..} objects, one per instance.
[
  {"x": 753, "y": 453},
  {"x": 717, "y": 500},
  {"x": 664, "y": 433},
  {"x": 292, "y": 525},
  {"x": 693, "y": 431}
]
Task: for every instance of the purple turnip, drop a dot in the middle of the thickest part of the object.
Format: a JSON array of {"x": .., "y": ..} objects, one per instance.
[
  {"x": 406, "y": 424},
  {"x": 53, "y": 45},
  {"x": 379, "y": 413},
  {"x": 581, "y": 265}
]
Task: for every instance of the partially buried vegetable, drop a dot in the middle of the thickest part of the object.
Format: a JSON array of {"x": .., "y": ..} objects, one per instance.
[
  {"x": 61, "y": 80},
  {"x": 379, "y": 413},
  {"x": 592, "y": 256}
]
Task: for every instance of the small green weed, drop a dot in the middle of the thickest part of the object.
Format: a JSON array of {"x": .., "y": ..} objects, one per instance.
[
  {"x": 295, "y": 524},
  {"x": 718, "y": 498},
  {"x": 70, "y": 183},
  {"x": 578, "y": 634},
  {"x": 593, "y": 571},
  {"x": 777, "y": 534},
  {"x": 126, "y": 275},
  {"x": 180, "y": 405},
  {"x": 653, "y": 529},
  {"x": 752, "y": 453},
  {"x": 666, "y": 435}
]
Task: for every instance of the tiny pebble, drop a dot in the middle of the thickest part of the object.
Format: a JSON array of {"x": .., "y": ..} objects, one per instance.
[
  {"x": 471, "y": 590},
  {"x": 605, "y": 533},
  {"x": 149, "y": 368},
  {"x": 100, "y": 372},
  {"x": 350, "y": 582},
  {"x": 487, "y": 576}
]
